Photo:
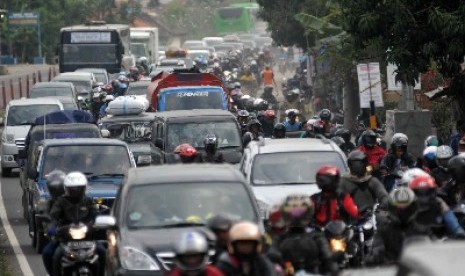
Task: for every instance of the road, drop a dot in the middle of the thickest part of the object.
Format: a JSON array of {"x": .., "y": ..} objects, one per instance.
[{"x": 11, "y": 194}]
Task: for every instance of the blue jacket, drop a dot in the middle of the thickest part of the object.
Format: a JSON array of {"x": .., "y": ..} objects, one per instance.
[{"x": 293, "y": 127}]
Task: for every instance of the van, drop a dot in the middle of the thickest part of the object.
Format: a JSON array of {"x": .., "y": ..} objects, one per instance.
[{"x": 83, "y": 81}]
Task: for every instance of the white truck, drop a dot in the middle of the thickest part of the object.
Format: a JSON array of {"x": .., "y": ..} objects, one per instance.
[{"x": 144, "y": 43}]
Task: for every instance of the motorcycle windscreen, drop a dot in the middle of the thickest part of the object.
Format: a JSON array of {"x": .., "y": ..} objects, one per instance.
[{"x": 188, "y": 98}]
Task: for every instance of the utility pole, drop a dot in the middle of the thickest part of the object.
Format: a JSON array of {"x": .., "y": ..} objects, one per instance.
[{"x": 3, "y": 18}]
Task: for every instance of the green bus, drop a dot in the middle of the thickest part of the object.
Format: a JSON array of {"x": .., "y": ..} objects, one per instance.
[{"x": 238, "y": 18}]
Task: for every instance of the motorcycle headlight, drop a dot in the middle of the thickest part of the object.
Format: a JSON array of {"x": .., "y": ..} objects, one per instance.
[
  {"x": 337, "y": 245},
  {"x": 134, "y": 259},
  {"x": 78, "y": 233}
]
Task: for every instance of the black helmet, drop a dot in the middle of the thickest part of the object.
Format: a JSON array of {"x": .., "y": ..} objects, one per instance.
[
  {"x": 220, "y": 222},
  {"x": 253, "y": 121},
  {"x": 369, "y": 138},
  {"x": 210, "y": 143},
  {"x": 243, "y": 116},
  {"x": 279, "y": 131},
  {"x": 55, "y": 183},
  {"x": 456, "y": 167},
  {"x": 358, "y": 162},
  {"x": 260, "y": 104},
  {"x": 344, "y": 133},
  {"x": 402, "y": 204},
  {"x": 325, "y": 115}
]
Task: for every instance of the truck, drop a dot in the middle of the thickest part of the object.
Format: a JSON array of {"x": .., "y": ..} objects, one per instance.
[{"x": 144, "y": 43}]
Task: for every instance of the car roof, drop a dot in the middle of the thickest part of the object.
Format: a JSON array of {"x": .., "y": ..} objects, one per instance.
[
  {"x": 65, "y": 127},
  {"x": 74, "y": 76},
  {"x": 34, "y": 101},
  {"x": 92, "y": 70},
  {"x": 84, "y": 141},
  {"x": 144, "y": 116},
  {"x": 178, "y": 173},
  {"x": 292, "y": 145},
  {"x": 193, "y": 113},
  {"x": 52, "y": 84}
]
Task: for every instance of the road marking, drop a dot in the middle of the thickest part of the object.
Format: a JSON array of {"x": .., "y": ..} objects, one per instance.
[{"x": 23, "y": 264}]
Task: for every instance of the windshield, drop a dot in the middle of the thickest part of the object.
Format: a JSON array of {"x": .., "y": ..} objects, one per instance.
[
  {"x": 292, "y": 167},
  {"x": 63, "y": 134},
  {"x": 129, "y": 131},
  {"x": 137, "y": 90},
  {"x": 101, "y": 77},
  {"x": 92, "y": 160},
  {"x": 138, "y": 49},
  {"x": 27, "y": 114},
  {"x": 89, "y": 54},
  {"x": 226, "y": 132},
  {"x": 51, "y": 92},
  {"x": 191, "y": 99},
  {"x": 80, "y": 85},
  {"x": 162, "y": 205}
]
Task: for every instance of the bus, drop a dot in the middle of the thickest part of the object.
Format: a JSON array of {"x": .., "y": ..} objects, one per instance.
[
  {"x": 93, "y": 45},
  {"x": 238, "y": 18}
]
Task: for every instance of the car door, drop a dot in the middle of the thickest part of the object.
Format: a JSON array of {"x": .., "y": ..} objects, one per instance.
[{"x": 157, "y": 139}]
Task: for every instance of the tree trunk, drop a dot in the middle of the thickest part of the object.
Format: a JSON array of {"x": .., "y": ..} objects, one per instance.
[{"x": 351, "y": 101}]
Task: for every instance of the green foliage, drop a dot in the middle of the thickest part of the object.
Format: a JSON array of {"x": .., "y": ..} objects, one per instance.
[{"x": 442, "y": 118}]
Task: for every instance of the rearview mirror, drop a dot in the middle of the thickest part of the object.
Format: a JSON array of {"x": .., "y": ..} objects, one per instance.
[
  {"x": 80, "y": 98},
  {"x": 104, "y": 222},
  {"x": 105, "y": 133}
]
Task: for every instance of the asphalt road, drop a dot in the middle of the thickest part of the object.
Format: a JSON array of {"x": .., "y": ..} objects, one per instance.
[{"x": 11, "y": 195}]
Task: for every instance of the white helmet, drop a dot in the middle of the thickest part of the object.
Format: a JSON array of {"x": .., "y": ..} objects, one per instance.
[
  {"x": 443, "y": 154},
  {"x": 75, "y": 184},
  {"x": 410, "y": 174},
  {"x": 109, "y": 98},
  {"x": 191, "y": 243}
]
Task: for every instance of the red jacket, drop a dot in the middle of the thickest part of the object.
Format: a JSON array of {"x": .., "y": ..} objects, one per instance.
[
  {"x": 324, "y": 200},
  {"x": 374, "y": 154},
  {"x": 209, "y": 271}
]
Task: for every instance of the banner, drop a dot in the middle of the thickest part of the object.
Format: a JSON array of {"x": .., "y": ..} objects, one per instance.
[{"x": 369, "y": 83}]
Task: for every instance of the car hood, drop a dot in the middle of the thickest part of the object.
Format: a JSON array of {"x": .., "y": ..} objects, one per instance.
[
  {"x": 18, "y": 131},
  {"x": 273, "y": 194}
]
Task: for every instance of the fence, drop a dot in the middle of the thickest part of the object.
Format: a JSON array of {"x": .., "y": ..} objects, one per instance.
[{"x": 19, "y": 85}]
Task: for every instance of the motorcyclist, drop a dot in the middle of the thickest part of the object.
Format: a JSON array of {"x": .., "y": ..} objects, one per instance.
[
  {"x": 134, "y": 74},
  {"x": 267, "y": 119},
  {"x": 432, "y": 210},
  {"x": 191, "y": 249},
  {"x": 373, "y": 151},
  {"x": 243, "y": 117},
  {"x": 429, "y": 159},
  {"x": 210, "y": 143},
  {"x": 291, "y": 124},
  {"x": 396, "y": 161},
  {"x": 220, "y": 225},
  {"x": 103, "y": 108},
  {"x": 331, "y": 203},
  {"x": 143, "y": 63},
  {"x": 74, "y": 206},
  {"x": 441, "y": 172},
  {"x": 365, "y": 189},
  {"x": 432, "y": 140},
  {"x": 254, "y": 132},
  {"x": 236, "y": 93},
  {"x": 301, "y": 250},
  {"x": 453, "y": 192},
  {"x": 244, "y": 255},
  {"x": 396, "y": 227},
  {"x": 279, "y": 131},
  {"x": 186, "y": 154},
  {"x": 55, "y": 186},
  {"x": 345, "y": 134},
  {"x": 326, "y": 116}
]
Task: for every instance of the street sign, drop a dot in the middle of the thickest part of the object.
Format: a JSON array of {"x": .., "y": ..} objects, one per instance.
[
  {"x": 391, "y": 79},
  {"x": 369, "y": 84},
  {"x": 23, "y": 20}
]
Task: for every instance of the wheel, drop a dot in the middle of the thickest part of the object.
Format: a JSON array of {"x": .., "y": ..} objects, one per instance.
[
  {"x": 41, "y": 241},
  {"x": 25, "y": 206},
  {"x": 6, "y": 172}
]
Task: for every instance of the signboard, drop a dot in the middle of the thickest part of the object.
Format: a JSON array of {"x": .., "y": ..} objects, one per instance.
[
  {"x": 391, "y": 79},
  {"x": 90, "y": 37},
  {"x": 23, "y": 20},
  {"x": 369, "y": 83}
]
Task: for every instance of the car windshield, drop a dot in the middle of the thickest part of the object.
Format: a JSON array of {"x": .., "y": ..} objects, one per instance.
[
  {"x": 226, "y": 132},
  {"x": 93, "y": 160},
  {"x": 80, "y": 85},
  {"x": 129, "y": 131},
  {"x": 178, "y": 204},
  {"x": 187, "y": 100},
  {"x": 27, "y": 114},
  {"x": 101, "y": 77},
  {"x": 292, "y": 167},
  {"x": 51, "y": 92},
  {"x": 139, "y": 90}
]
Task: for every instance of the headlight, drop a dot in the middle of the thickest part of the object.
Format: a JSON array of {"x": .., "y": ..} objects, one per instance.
[
  {"x": 10, "y": 138},
  {"x": 263, "y": 208},
  {"x": 78, "y": 233},
  {"x": 134, "y": 259},
  {"x": 337, "y": 245}
]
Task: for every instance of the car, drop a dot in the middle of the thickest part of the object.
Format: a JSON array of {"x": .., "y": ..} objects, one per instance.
[
  {"x": 63, "y": 91},
  {"x": 212, "y": 40},
  {"x": 172, "y": 128},
  {"x": 193, "y": 43},
  {"x": 196, "y": 54},
  {"x": 278, "y": 167},
  {"x": 19, "y": 116},
  {"x": 101, "y": 74},
  {"x": 104, "y": 162},
  {"x": 156, "y": 204},
  {"x": 84, "y": 82},
  {"x": 168, "y": 65}
]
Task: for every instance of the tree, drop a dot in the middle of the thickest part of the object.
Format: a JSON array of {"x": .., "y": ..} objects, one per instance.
[{"x": 414, "y": 34}]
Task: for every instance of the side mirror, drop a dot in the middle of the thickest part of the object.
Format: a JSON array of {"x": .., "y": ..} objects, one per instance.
[
  {"x": 159, "y": 143},
  {"x": 2, "y": 121},
  {"x": 22, "y": 154},
  {"x": 80, "y": 98},
  {"x": 105, "y": 222},
  {"x": 105, "y": 133}
]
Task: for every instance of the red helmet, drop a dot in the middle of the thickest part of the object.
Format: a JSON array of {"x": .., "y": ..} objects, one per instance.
[
  {"x": 275, "y": 218},
  {"x": 425, "y": 189},
  {"x": 327, "y": 178},
  {"x": 270, "y": 114},
  {"x": 186, "y": 152}
]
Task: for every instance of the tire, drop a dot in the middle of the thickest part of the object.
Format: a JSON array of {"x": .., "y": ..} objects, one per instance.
[
  {"x": 41, "y": 241},
  {"x": 6, "y": 172}
]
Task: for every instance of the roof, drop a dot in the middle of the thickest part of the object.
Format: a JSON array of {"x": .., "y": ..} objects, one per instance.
[
  {"x": 95, "y": 27},
  {"x": 199, "y": 173},
  {"x": 52, "y": 84},
  {"x": 65, "y": 127},
  {"x": 74, "y": 76},
  {"x": 83, "y": 141},
  {"x": 144, "y": 116},
  {"x": 193, "y": 113},
  {"x": 294, "y": 145},
  {"x": 34, "y": 101},
  {"x": 92, "y": 70}
]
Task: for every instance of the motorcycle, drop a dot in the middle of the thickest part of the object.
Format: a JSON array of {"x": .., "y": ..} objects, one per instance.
[
  {"x": 269, "y": 97},
  {"x": 364, "y": 232},
  {"x": 341, "y": 243}
]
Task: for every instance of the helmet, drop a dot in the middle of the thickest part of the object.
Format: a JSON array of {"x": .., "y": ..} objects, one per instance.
[
  {"x": 425, "y": 188},
  {"x": 252, "y": 122},
  {"x": 443, "y": 155},
  {"x": 210, "y": 143},
  {"x": 275, "y": 220},
  {"x": 133, "y": 70},
  {"x": 327, "y": 178},
  {"x": 399, "y": 140},
  {"x": 260, "y": 104},
  {"x": 369, "y": 138},
  {"x": 325, "y": 115},
  {"x": 243, "y": 117},
  {"x": 191, "y": 246},
  {"x": 55, "y": 183},
  {"x": 357, "y": 162},
  {"x": 402, "y": 205},
  {"x": 344, "y": 133},
  {"x": 319, "y": 126},
  {"x": 429, "y": 153},
  {"x": 186, "y": 153},
  {"x": 75, "y": 185},
  {"x": 297, "y": 210},
  {"x": 143, "y": 61},
  {"x": 457, "y": 168},
  {"x": 269, "y": 114},
  {"x": 409, "y": 175},
  {"x": 244, "y": 231},
  {"x": 220, "y": 222},
  {"x": 310, "y": 123},
  {"x": 338, "y": 140},
  {"x": 279, "y": 131},
  {"x": 249, "y": 103},
  {"x": 109, "y": 98},
  {"x": 431, "y": 140},
  {"x": 237, "y": 84}
]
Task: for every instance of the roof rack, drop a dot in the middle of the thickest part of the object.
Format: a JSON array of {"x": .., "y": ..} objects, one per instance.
[{"x": 95, "y": 23}]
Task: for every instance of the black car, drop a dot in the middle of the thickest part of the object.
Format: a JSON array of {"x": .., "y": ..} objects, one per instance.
[
  {"x": 172, "y": 128},
  {"x": 136, "y": 131},
  {"x": 157, "y": 203}
]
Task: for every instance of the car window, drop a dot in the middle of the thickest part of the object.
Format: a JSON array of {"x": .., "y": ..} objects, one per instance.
[
  {"x": 51, "y": 92},
  {"x": 159, "y": 205},
  {"x": 27, "y": 114},
  {"x": 129, "y": 131},
  {"x": 292, "y": 167},
  {"x": 137, "y": 90}
]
